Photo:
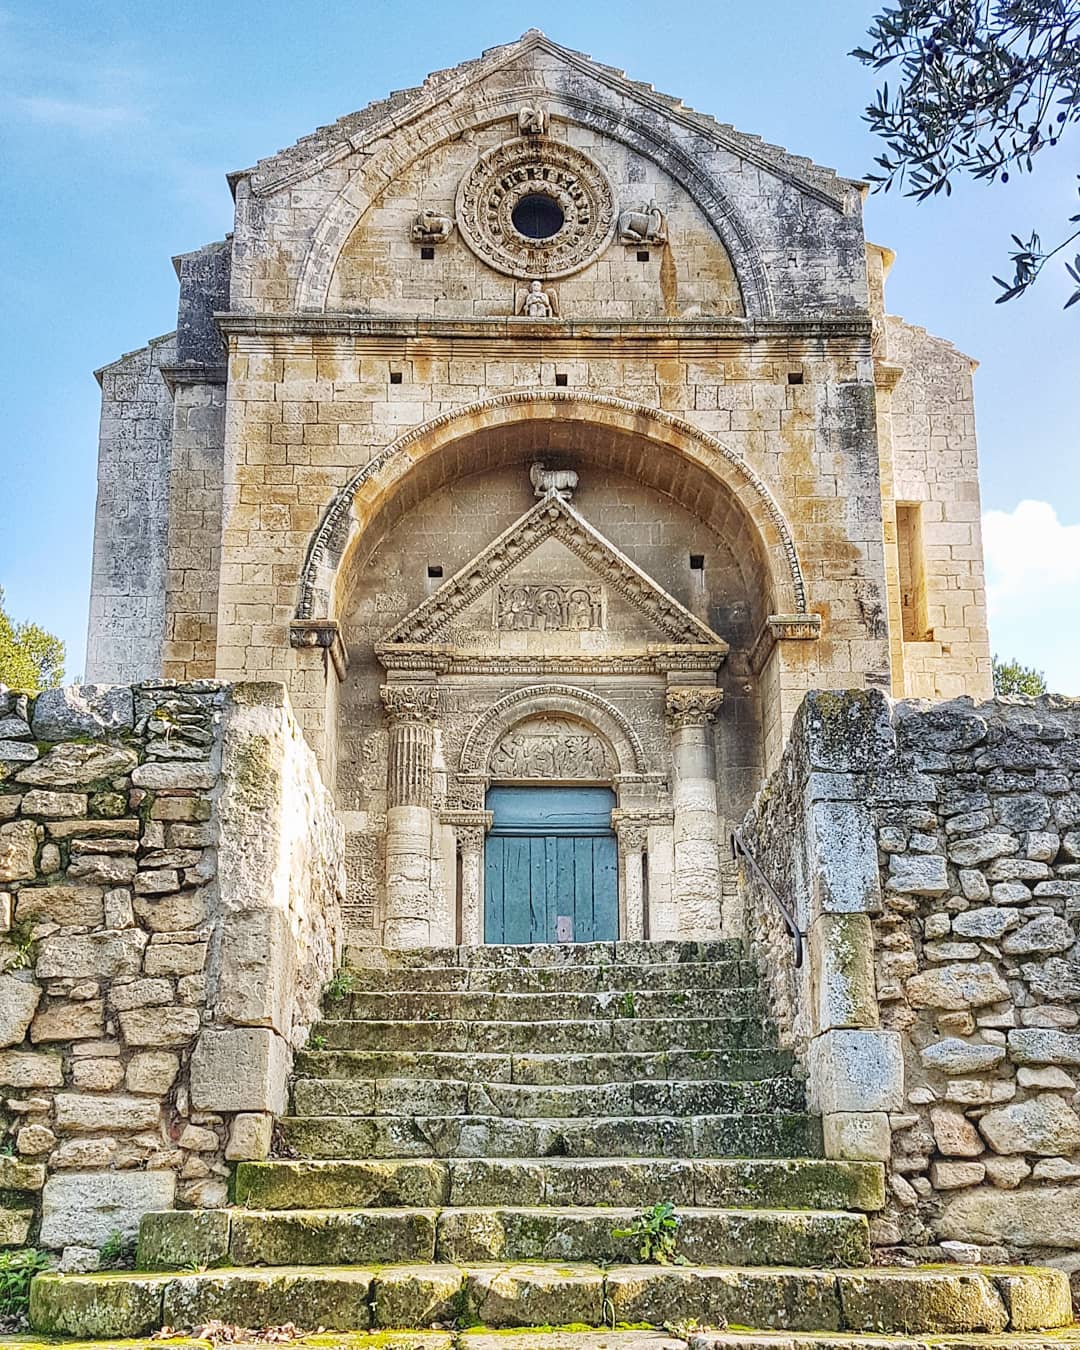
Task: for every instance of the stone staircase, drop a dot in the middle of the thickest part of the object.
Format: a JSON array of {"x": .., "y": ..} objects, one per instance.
[{"x": 472, "y": 1126}]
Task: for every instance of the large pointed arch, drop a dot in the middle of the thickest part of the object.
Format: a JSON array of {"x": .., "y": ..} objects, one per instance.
[
  {"x": 443, "y": 124},
  {"x": 371, "y": 488}
]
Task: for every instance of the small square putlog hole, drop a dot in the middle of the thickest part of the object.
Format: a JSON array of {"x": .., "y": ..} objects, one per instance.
[
  {"x": 697, "y": 562},
  {"x": 427, "y": 252},
  {"x": 560, "y": 379},
  {"x": 395, "y": 377},
  {"x": 434, "y": 571},
  {"x": 795, "y": 377},
  {"x": 643, "y": 255}
]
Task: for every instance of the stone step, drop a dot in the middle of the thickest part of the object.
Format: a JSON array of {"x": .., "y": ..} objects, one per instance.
[
  {"x": 906, "y": 1301},
  {"x": 555, "y": 1005},
  {"x": 592, "y": 1037},
  {"x": 409, "y": 1096},
  {"x": 779, "y": 1134},
  {"x": 546, "y": 1070},
  {"x": 466, "y": 1236},
  {"x": 544, "y": 955},
  {"x": 795, "y": 1183},
  {"x": 568, "y": 979}
]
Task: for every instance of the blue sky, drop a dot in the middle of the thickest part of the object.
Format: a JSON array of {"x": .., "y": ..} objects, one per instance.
[{"x": 119, "y": 121}]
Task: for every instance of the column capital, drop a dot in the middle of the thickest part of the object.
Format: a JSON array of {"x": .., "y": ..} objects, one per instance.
[
  {"x": 410, "y": 703},
  {"x": 693, "y": 705}
]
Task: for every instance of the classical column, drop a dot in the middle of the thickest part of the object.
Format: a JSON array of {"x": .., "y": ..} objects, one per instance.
[
  {"x": 471, "y": 847},
  {"x": 411, "y": 711},
  {"x": 632, "y": 835},
  {"x": 691, "y": 711}
]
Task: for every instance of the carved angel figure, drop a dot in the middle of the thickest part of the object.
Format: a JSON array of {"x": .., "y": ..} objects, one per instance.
[
  {"x": 532, "y": 120},
  {"x": 431, "y": 227},
  {"x": 644, "y": 227},
  {"x": 538, "y": 303}
]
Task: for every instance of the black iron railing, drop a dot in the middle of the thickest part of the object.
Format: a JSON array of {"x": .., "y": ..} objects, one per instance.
[{"x": 739, "y": 847}]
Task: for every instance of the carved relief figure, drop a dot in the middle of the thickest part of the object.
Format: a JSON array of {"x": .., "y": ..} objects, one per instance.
[
  {"x": 560, "y": 481},
  {"x": 644, "y": 227},
  {"x": 550, "y": 748},
  {"x": 532, "y": 120},
  {"x": 431, "y": 227},
  {"x": 570, "y": 607},
  {"x": 538, "y": 303}
]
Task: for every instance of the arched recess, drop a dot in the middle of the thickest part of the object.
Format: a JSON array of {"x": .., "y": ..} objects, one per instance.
[
  {"x": 533, "y": 700},
  {"x": 406, "y": 145},
  {"x": 578, "y": 420}
]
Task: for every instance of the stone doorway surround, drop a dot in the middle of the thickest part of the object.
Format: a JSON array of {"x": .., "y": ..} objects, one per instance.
[{"x": 536, "y": 715}]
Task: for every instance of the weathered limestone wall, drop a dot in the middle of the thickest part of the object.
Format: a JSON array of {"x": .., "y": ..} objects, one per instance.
[
  {"x": 127, "y": 587},
  {"x": 171, "y": 873},
  {"x": 952, "y": 831}
]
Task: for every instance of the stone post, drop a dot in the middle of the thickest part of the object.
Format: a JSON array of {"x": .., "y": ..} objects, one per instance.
[
  {"x": 411, "y": 711},
  {"x": 470, "y": 840},
  {"x": 633, "y": 835},
  {"x": 691, "y": 711}
]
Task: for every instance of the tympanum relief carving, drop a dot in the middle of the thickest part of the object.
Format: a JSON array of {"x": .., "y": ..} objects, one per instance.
[
  {"x": 551, "y": 748},
  {"x": 575, "y": 607}
]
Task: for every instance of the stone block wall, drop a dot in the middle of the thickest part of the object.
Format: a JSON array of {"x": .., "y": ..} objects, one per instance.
[
  {"x": 942, "y": 1025},
  {"x": 171, "y": 879}
]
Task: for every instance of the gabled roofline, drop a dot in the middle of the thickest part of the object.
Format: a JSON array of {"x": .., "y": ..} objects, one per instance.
[{"x": 352, "y": 132}]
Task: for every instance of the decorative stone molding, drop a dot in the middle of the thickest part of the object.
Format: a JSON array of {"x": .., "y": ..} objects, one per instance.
[
  {"x": 782, "y": 628},
  {"x": 331, "y": 540},
  {"x": 552, "y": 517},
  {"x": 530, "y": 166},
  {"x": 692, "y": 705},
  {"x": 323, "y": 633},
  {"x": 583, "y": 704}
]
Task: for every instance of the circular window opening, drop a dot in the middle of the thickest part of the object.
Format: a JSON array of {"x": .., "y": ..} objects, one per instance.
[{"x": 537, "y": 216}]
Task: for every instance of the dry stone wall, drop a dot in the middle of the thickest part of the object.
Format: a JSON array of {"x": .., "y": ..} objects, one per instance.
[
  {"x": 932, "y": 852},
  {"x": 171, "y": 879}
]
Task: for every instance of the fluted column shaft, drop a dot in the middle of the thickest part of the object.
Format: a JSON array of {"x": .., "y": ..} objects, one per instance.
[{"x": 411, "y": 711}]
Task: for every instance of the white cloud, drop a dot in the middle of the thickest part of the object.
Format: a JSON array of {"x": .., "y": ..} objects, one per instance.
[
  {"x": 1033, "y": 590},
  {"x": 88, "y": 118}
]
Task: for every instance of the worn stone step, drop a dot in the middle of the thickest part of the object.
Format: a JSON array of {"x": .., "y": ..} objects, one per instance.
[
  {"x": 796, "y": 1183},
  {"x": 405, "y": 1096},
  {"x": 907, "y": 1301},
  {"x": 465, "y": 1236},
  {"x": 551, "y": 1006},
  {"x": 779, "y": 1134},
  {"x": 543, "y": 955},
  {"x": 551, "y": 1070},
  {"x": 549, "y": 1037},
  {"x": 566, "y": 979}
]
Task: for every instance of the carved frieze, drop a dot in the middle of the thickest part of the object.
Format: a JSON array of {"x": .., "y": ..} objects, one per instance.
[
  {"x": 582, "y": 213},
  {"x": 575, "y": 606},
  {"x": 552, "y": 748},
  {"x": 693, "y": 705}
]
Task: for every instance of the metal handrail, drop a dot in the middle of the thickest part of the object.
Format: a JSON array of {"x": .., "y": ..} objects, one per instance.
[{"x": 738, "y": 845}]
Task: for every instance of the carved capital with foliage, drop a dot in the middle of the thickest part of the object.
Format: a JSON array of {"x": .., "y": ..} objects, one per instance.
[
  {"x": 693, "y": 705},
  {"x": 410, "y": 703}
]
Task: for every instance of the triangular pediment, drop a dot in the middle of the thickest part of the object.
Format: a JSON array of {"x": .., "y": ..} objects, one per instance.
[
  {"x": 359, "y": 130},
  {"x": 521, "y": 582}
]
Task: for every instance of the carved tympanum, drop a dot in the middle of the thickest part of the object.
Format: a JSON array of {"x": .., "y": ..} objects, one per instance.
[
  {"x": 576, "y": 607},
  {"x": 551, "y": 747}
]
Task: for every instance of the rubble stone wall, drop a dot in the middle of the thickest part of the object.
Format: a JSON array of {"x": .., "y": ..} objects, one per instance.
[
  {"x": 951, "y": 832},
  {"x": 171, "y": 878}
]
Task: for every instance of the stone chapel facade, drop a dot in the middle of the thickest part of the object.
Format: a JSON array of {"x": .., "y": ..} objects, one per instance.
[{"x": 548, "y": 440}]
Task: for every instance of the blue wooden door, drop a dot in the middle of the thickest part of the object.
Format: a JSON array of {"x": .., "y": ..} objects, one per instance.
[{"x": 550, "y": 866}]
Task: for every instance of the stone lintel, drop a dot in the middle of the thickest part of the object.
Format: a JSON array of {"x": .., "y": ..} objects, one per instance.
[
  {"x": 323, "y": 633},
  {"x": 782, "y": 628},
  {"x": 194, "y": 372}
]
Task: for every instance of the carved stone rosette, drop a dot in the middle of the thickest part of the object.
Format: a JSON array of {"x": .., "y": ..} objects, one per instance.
[
  {"x": 532, "y": 165},
  {"x": 693, "y": 705}
]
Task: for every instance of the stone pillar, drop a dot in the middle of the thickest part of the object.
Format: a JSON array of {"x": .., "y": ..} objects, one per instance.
[
  {"x": 471, "y": 847},
  {"x": 691, "y": 711},
  {"x": 633, "y": 835},
  {"x": 411, "y": 711}
]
